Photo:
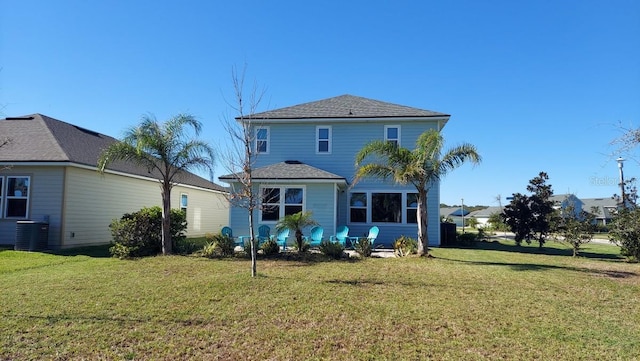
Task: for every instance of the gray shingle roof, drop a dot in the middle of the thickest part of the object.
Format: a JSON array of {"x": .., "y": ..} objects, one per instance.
[
  {"x": 39, "y": 138},
  {"x": 290, "y": 170},
  {"x": 346, "y": 106}
]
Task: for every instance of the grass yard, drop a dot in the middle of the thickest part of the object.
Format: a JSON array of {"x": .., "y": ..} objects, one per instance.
[{"x": 495, "y": 301}]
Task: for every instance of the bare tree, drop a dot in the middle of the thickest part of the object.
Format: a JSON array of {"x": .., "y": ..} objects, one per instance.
[{"x": 240, "y": 157}]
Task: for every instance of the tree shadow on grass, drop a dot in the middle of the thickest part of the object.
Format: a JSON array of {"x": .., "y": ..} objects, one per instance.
[
  {"x": 101, "y": 251},
  {"x": 545, "y": 267},
  {"x": 496, "y": 245}
]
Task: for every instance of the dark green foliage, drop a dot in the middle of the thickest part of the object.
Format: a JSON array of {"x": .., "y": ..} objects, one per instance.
[
  {"x": 625, "y": 232},
  {"x": 139, "y": 234},
  {"x": 529, "y": 217},
  {"x": 404, "y": 246},
  {"x": 466, "y": 239},
  {"x": 270, "y": 247},
  {"x": 332, "y": 249}
]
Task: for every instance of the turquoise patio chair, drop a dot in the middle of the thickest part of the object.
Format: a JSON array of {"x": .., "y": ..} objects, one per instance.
[
  {"x": 263, "y": 235},
  {"x": 315, "y": 239},
  {"x": 373, "y": 234},
  {"x": 227, "y": 231},
  {"x": 281, "y": 238},
  {"x": 341, "y": 235}
]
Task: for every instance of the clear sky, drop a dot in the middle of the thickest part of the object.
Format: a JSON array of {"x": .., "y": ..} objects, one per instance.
[{"x": 538, "y": 85}]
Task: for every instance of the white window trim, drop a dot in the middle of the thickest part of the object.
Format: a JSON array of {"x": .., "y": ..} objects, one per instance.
[
  {"x": 4, "y": 202},
  {"x": 399, "y": 133},
  {"x": 183, "y": 207},
  {"x": 281, "y": 202},
  {"x": 268, "y": 140},
  {"x": 369, "y": 195},
  {"x": 329, "y": 139}
]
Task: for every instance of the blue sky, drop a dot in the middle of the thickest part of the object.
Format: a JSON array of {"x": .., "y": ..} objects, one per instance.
[{"x": 536, "y": 85}]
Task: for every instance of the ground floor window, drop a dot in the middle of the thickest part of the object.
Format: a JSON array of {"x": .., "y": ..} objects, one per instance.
[
  {"x": 281, "y": 201},
  {"x": 14, "y": 196},
  {"x": 184, "y": 202},
  {"x": 383, "y": 207}
]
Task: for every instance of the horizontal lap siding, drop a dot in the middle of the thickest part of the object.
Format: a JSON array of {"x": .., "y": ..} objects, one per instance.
[
  {"x": 45, "y": 201},
  {"x": 207, "y": 212},
  {"x": 296, "y": 141},
  {"x": 94, "y": 200}
]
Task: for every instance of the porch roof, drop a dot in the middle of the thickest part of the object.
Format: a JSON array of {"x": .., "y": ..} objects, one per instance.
[{"x": 290, "y": 170}]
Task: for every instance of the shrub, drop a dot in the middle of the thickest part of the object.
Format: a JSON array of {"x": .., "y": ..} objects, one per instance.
[
  {"x": 331, "y": 249},
  {"x": 270, "y": 247},
  {"x": 625, "y": 232},
  {"x": 209, "y": 250},
  {"x": 404, "y": 246},
  {"x": 139, "y": 234},
  {"x": 363, "y": 247},
  {"x": 305, "y": 247},
  {"x": 466, "y": 239}
]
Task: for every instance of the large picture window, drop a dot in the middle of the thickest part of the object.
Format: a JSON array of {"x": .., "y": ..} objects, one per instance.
[
  {"x": 383, "y": 207},
  {"x": 15, "y": 197},
  {"x": 386, "y": 207},
  {"x": 278, "y": 202}
]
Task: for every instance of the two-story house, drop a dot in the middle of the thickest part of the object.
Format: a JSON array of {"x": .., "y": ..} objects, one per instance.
[{"x": 306, "y": 161}]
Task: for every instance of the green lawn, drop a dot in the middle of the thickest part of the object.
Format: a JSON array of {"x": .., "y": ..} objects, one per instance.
[{"x": 495, "y": 301}]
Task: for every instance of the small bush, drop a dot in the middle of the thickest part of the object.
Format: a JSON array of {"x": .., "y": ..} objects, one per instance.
[
  {"x": 270, "y": 247},
  {"x": 209, "y": 250},
  {"x": 139, "y": 234},
  {"x": 363, "y": 247},
  {"x": 332, "y": 249},
  {"x": 466, "y": 239},
  {"x": 404, "y": 246},
  {"x": 305, "y": 247}
]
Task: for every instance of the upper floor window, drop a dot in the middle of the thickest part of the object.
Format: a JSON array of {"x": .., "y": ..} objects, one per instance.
[
  {"x": 323, "y": 140},
  {"x": 392, "y": 134},
  {"x": 278, "y": 202},
  {"x": 15, "y": 197},
  {"x": 262, "y": 140}
]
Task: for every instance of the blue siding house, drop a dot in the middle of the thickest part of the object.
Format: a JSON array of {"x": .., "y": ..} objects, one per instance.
[{"x": 305, "y": 161}]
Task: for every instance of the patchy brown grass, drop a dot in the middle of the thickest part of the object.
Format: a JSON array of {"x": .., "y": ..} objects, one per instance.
[{"x": 470, "y": 304}]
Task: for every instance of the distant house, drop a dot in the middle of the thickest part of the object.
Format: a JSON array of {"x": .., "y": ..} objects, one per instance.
[
  {"x": 305, "y": 161},
  {"x": 454, "y": 214},
  {"x": 604, "y": 209},
  {"x": 48, "y": 173},
  {"x": 483, "y": 215}
]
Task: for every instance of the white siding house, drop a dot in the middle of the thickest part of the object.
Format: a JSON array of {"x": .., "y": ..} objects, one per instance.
[
  {"x": 55, "y": 162},
  {"x": 310, "y": 149}
]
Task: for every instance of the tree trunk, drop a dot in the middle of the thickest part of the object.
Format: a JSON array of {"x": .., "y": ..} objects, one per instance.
[
  {"x": 166, "y": 220},
  {"x": 254, "y": 245},
  {"x": 423, "y": 236}
]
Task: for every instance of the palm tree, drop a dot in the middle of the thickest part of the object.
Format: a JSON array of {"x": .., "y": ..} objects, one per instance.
[
  {"x": 421, "y": 167},
  {"x": 167, "y": 151},
  {"x": 296, "y": 222}
]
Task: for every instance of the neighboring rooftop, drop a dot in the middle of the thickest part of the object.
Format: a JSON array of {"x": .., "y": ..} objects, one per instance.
[
  {"x": 37, "y": 138},
  {"x": 346, "y": 106}
]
